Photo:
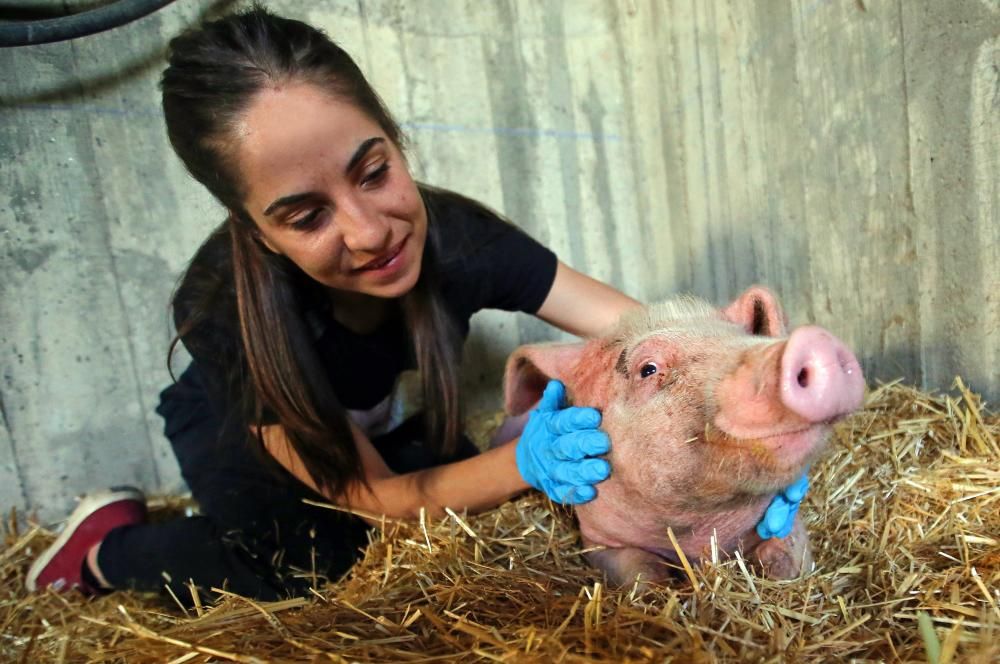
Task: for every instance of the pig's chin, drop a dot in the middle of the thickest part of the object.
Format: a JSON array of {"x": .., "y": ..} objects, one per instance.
[{"x": 775, "y": 460}]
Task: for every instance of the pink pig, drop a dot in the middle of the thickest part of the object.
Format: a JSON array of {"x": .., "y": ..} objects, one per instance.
[{"x": 710, "y": 412}]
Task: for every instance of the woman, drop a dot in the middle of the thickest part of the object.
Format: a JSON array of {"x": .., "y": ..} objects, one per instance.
[{"x": 334, "y": 299}]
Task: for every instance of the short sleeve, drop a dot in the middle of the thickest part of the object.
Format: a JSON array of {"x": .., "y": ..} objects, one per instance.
[
  {"x": 519, "y": 272},
  {"x": 487, "y": 262}
]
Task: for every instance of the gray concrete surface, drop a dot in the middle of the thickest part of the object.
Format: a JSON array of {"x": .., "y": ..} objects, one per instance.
[{"x": 844, "y": 152}]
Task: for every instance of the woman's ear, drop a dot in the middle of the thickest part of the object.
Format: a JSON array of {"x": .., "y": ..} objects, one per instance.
[
  {"x": 264, "y": 241},
  {"x": 236, "y": 218}
]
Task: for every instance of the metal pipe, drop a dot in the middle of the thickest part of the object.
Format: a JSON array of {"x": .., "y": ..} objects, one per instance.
[{"x": 78, "y": 25}]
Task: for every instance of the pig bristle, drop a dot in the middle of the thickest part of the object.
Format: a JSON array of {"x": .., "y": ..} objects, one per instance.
[{"x": 657, "y": 316}]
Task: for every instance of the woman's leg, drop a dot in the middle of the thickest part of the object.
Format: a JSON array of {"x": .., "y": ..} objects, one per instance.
[
  {"x": 255, "y": 535},
  {"x": 173, "y": 554}
]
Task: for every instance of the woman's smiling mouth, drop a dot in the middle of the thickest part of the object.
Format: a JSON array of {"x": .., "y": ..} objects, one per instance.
[{"x": 387, "y": 260}]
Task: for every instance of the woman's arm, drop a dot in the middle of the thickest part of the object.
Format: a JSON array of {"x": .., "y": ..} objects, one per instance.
[
  {"x": 576, "y": 304},
  {"x": 476, "y": 484},
  {"x": 583, "y": 306},
  {"x": 484, "y": 481}
]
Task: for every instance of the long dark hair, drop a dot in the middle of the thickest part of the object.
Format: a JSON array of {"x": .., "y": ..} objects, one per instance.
[{"x": 214, "y": 73}]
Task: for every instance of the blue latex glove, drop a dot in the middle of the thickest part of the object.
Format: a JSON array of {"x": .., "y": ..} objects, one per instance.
[
  {"x": 553, "y": 454},
  {"x": 780, "y": 514}
]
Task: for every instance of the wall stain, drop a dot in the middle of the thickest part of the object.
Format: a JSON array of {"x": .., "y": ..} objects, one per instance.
[
  {"x": 594, "y": 109},
  {"x": 30, "y": 259}
]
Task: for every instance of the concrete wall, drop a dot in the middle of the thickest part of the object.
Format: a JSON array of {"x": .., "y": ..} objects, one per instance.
[{"x": 845, "y": 152}]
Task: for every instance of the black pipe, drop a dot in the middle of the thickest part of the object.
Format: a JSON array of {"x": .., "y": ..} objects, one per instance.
[{"x": 77, "y": 25}]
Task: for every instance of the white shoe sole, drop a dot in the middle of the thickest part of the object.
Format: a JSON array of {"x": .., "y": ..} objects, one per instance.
[{"x": 87, "y": 506}]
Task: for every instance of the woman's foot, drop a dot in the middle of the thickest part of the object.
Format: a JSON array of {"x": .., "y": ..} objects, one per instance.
[{"x": 60, "y": 566}]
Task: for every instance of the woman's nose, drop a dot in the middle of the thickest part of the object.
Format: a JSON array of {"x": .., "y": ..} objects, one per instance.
[{"x": 362, "y": 228}]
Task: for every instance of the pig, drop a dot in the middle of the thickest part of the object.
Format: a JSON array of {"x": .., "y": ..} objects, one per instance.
[{"x": 710, "y": 413}]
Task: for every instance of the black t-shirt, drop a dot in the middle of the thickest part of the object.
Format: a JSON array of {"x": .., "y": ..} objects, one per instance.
[{"x": 483, "y": 262}]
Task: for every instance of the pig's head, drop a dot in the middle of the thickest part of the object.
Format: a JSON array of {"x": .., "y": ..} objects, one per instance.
[{"x": 704, "y": 407}]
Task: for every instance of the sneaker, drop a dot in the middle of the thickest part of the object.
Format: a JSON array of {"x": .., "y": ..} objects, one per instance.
[{"x": 60, "y": 566}]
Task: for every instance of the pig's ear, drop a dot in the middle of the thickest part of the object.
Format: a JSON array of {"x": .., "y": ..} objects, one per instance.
[
  {"x": 759, "y": 312},
  {"x": 529, "y": 369}
]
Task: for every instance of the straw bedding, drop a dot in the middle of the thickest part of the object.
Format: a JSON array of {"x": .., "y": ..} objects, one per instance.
[{"x": 905, "y": 525}]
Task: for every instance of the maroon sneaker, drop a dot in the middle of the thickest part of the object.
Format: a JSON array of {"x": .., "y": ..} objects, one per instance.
[{"x": 60, "y": 565}]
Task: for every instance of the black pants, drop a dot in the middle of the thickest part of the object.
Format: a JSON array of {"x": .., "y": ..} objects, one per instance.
[{"x": 255, "y": 537}]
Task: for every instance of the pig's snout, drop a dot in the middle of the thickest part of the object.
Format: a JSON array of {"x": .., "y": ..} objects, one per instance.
[{"x": 820, "y": 377}]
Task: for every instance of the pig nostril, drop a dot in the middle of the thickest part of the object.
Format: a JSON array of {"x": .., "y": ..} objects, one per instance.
[
  {"x": 820, "y": 378},
  {"x": 845, "y": 362}
]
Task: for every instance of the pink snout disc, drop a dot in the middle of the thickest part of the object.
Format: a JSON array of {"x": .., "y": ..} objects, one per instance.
[{"x": 820, "y": 377}]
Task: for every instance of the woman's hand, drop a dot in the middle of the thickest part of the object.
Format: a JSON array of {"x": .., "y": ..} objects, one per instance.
[
  {"x": 555, "y": 449},
  {"x": 780, "y": 515}
]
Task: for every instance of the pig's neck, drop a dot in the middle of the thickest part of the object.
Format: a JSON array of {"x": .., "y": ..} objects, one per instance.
[{"x": 621, "y": 518}]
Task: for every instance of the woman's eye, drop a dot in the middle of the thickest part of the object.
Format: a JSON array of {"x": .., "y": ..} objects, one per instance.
[
  {"x": 306, "y": 221},
  {"x": 375, "y": 176},
  {"x": 647, "y": 370}
]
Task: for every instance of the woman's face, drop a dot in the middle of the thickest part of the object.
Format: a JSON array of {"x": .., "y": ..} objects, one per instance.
[{"x": 330, "y": 191}]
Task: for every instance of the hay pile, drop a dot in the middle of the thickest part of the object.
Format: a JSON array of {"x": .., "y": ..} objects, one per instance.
[{"x": 906, "y": 532}]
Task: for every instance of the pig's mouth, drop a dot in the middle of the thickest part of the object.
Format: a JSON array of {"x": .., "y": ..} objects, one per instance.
[{"x": 782, "y": 451}]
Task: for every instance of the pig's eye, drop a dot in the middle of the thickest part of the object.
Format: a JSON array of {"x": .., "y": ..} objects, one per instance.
[{"x": 647, "y": 370}]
